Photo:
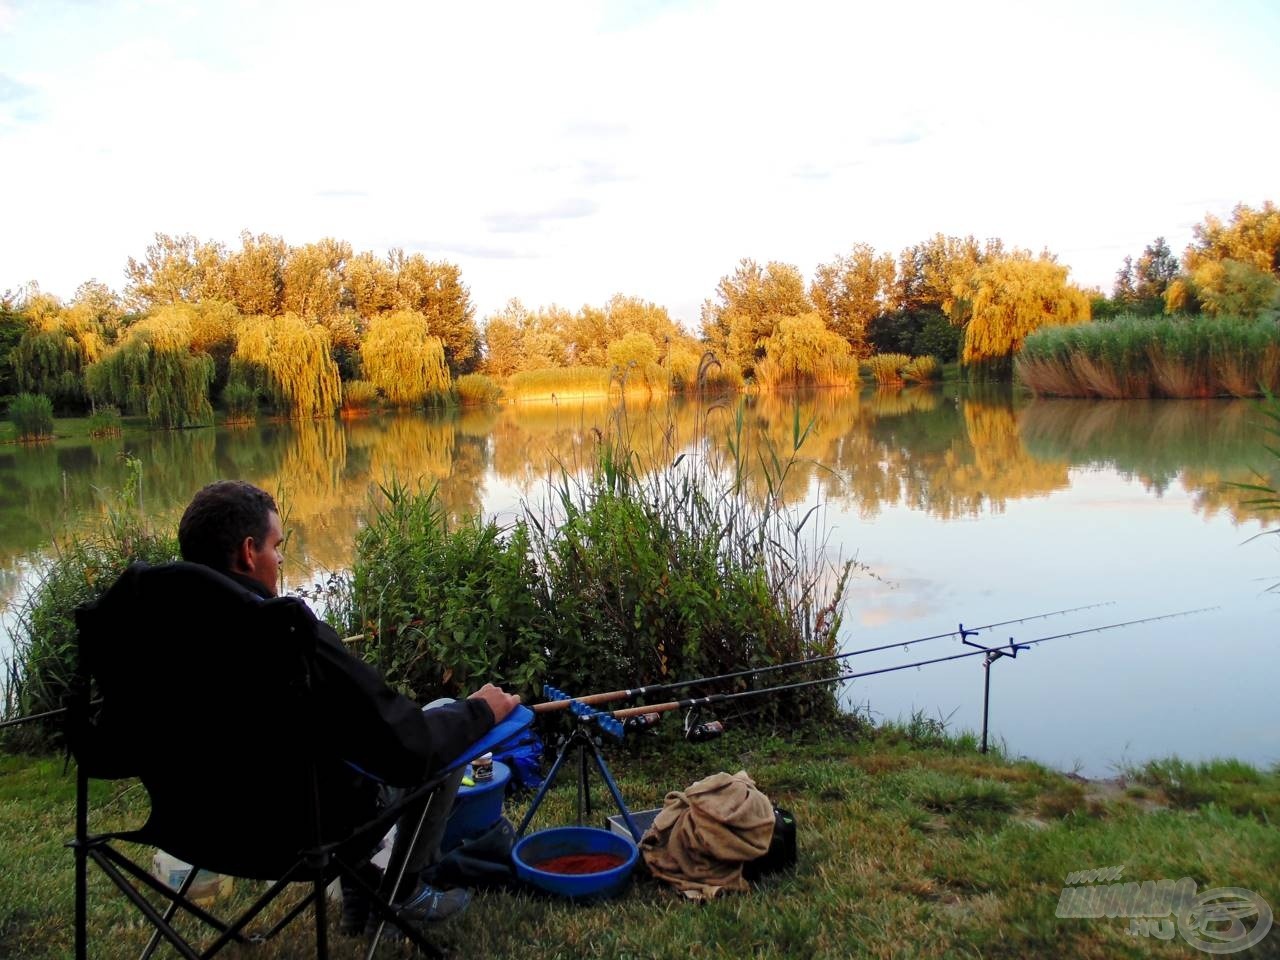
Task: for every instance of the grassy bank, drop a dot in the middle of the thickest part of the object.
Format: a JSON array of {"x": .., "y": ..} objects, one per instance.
[{"x": 911, "y": 844}]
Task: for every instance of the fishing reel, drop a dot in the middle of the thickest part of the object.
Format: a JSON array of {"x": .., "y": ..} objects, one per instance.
[{"x": 701, "y": 732}]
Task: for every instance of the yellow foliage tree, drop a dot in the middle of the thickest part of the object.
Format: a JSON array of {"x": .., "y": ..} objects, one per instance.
[
  {"x": 1252, "y": 236},
  {"x": 635, "y": 357},
  {"x": 153, "y": 370},
  {"x": 802, "y": 351},
  {"x": 1010, "y": 298},
  {"x": 403, "y": 360},
  {"x": 288, "y": 359}
]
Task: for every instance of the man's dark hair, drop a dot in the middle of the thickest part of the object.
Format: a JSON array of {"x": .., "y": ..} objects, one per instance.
[{"x": 219, "y": 517}]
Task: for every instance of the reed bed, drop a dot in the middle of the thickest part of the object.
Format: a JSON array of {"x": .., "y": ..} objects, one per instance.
[
  {"x": 924, "y": 369},
  {"x": 32, "y": 416},
  {"x": 834, "y": 371},
  {"x": 475, "y": 389},
  {"x": 887, "y": 367},
  {"x": 1139, "y": 357},
  {"x": 557, "y": 383}
]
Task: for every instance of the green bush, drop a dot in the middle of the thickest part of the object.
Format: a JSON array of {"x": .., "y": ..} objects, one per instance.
[
  {"x": 105, "y": 422},
  {"x": 240, "y": 401},
  {"x": 629, "y": 576},
  {"x": 446, "y": 609},
  {"x": 32, "y": 415},
  {"x": 476, "y": 388}
]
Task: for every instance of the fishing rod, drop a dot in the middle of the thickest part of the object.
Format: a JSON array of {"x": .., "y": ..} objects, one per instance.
[
  {"x": 1011, "y": 650},
  {"x": 613, "y": 696}
]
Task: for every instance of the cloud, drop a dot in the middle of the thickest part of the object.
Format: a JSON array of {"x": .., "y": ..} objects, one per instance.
[
  {"x": 12, "y": 90},
  {"x": 339, "y": 193},
  {"x": 479, "y": 251},
  {"x": 900, "y": 138},
  {"x": 571, "y": 208},
  {"x": 595, "y": 129}
]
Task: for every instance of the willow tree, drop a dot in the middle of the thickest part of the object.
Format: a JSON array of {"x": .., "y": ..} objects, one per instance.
[
  {"x": 154, "y": 371},
  {"x": 288, "y": 359},
  {"x": 55, "y": 347},
  {"x": 802, "y": 351},
  {"x": 403, "y": 360},
  {"x": 1010, "y": 298}
]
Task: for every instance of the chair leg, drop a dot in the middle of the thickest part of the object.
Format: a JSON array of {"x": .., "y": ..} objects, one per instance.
[
  {"x": 154, "y": 942},
  {"x": 322, "y": 919},
  {"x": 82, "y": 863}
]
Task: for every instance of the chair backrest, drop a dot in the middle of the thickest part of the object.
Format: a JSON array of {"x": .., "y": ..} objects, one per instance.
[{"x": 205, "y": 698}]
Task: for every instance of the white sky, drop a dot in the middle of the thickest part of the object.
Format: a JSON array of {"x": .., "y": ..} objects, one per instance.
[{"x": 562, "y": 152}]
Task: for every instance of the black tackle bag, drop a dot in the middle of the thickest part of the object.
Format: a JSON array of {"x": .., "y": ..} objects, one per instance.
[{"x": 781, "y": 854}]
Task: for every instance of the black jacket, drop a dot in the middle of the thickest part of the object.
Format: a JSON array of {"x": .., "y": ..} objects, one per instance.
[{"x": 219, "y": 696}]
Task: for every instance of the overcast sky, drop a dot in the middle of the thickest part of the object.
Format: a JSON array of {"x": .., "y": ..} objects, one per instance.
[{"x": 565, "y": 151}]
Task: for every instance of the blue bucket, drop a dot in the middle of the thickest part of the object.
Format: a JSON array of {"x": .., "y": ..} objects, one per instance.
[
  {"x": 477, "y": 808},
  {"x": 566, "y": 841}
]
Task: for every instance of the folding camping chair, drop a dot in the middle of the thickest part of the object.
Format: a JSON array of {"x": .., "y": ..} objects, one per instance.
[{"x": 204, "y": 692}]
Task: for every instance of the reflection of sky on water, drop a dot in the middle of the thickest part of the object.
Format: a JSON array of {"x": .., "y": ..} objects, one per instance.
[
  {"x": 968, "y": 509},
  {"x": 1198, "y": 686}
]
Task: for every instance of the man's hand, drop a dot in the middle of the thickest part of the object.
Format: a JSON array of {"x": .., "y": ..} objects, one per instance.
[{"x": 499, "y": 701}]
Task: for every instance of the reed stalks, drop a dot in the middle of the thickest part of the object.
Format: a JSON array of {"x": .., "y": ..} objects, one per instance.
[
  {"x": 886, "y": 368},
  {"x": 1133, "y": 357}
]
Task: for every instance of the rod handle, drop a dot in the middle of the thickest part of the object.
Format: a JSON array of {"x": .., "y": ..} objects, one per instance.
[{"x": 591, "y": 699}]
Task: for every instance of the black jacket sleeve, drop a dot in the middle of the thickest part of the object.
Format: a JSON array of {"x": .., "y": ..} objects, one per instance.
[{"x": 382, "y": 732}]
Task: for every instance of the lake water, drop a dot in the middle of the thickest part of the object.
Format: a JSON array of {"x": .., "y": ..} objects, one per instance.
[{"x": 967, "y": 505}]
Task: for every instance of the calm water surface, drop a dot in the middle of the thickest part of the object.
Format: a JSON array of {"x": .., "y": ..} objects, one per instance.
[{"x": 969, "y": 507}]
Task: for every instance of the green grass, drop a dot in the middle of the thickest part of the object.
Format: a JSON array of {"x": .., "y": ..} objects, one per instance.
[
  {"x": 76, "y": 428},
  {"x": 906, "y": 850}
]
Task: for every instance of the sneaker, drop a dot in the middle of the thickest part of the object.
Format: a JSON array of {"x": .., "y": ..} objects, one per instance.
[{"x": 428, "y": 904}]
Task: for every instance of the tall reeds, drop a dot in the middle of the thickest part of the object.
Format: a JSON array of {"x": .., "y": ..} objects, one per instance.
[{"x": 1136, "y": 357}]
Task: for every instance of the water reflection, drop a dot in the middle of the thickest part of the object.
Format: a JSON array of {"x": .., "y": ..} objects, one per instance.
[{"x": 951, "y": 455}]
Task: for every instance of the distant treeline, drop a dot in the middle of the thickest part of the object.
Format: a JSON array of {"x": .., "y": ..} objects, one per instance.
[{"x": 305, "y": 330}]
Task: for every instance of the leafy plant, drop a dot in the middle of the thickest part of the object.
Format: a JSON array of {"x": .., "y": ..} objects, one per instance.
[
  {"x": 105, "y": 422},
  {"x": 32, "y": 415},
  {"x": 477, "y": 388},
  {"x": 887, "y": 367}
]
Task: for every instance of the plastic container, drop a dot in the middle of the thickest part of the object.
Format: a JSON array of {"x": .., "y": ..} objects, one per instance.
[
  {"x": 206, "y": 888},
  {"x": 477, "y": 808},
  {"x": 567, "y": 841}
]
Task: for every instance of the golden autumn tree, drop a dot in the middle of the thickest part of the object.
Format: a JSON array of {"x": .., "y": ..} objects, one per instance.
[
  {"x": 851, "y": 291},
  {"x": 288, "y": 359},
  {"x": 1010, "y": 298},
  {"x": 803, "y": 352},
  {"x": 635, "y": 358},
  {"x": 748, "y": 305},
  {"x": 403, "y": 360},
  {"x": 155, "y": 371}
]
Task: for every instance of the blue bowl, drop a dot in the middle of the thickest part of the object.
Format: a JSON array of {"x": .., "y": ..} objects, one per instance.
[{"x": 566, "y": 841}]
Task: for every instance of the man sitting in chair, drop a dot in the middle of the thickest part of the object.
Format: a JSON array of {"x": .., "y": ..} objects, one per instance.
[{"x": 234, "y": 528}]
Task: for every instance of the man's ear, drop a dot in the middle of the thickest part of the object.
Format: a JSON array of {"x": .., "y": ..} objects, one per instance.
[{"x": 245, "y": 555}]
